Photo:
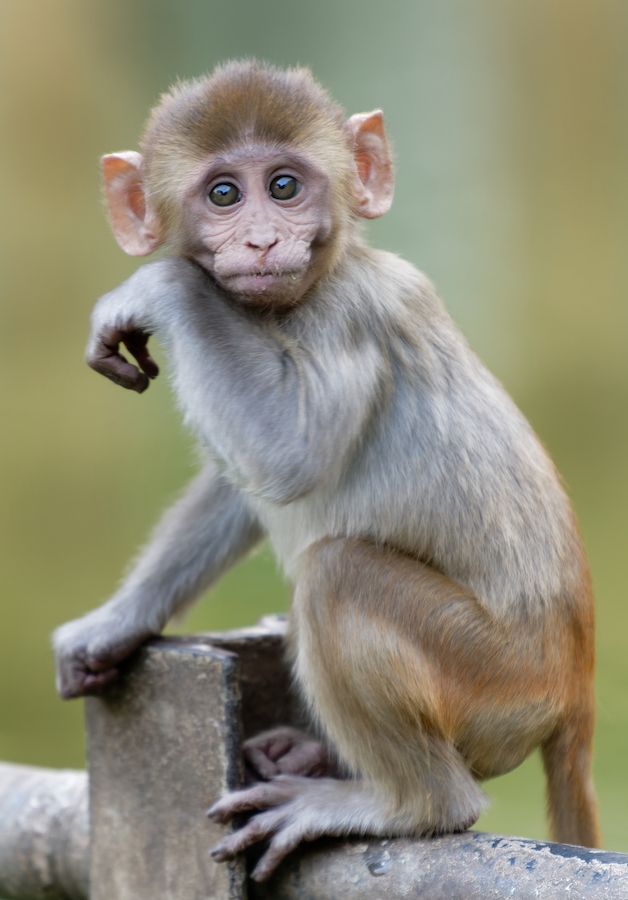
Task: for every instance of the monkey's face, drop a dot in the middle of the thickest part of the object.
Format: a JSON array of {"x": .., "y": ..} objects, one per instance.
[
  {"x": 252, "y": 173},
  {"x": 259, "y": 219}
]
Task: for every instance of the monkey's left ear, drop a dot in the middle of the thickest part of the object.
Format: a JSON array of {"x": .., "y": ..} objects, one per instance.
[
  {"x": 135, "y": 226},
  {"x": 375, "y": 180}
]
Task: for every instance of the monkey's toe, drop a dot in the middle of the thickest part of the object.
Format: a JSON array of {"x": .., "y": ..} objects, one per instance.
[
  {"x": 259, "y": 828},
  {"x": 263, "y": 795}
]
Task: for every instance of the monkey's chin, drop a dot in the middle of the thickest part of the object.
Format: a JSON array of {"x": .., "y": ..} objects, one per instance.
[{"x": 282, "y": 288}]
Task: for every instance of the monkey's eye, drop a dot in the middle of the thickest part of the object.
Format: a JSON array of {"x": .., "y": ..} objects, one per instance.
[
  {"x": 284, "y": 187},
  {"x": 224, "y": 194}
]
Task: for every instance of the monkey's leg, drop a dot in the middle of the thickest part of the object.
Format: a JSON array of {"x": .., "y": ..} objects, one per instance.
[
  {"x": 373, "y": 631},
  {"x": 392, "y": 655}
]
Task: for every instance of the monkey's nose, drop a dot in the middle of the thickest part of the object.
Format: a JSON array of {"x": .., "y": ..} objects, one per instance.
[
  {"x": 262, "y": 240},
  {"x": 262, "y": 246}
]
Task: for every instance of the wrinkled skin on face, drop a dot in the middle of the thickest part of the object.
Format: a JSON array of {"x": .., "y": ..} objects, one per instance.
[
  {"x": 259, "y": 246},
  {"x": 265, "y": 219}
]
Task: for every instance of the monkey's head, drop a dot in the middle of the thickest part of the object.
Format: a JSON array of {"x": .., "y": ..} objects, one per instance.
[{"x": 254, "y": 173}]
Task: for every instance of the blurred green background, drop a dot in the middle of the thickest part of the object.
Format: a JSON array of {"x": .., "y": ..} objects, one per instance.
[{"x": 510, "y": 130}]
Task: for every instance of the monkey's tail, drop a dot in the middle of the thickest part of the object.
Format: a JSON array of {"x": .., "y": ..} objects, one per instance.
[{"x": 571, "y": 800}]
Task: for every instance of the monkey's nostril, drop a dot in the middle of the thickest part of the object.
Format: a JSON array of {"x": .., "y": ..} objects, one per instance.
[{"x": 262, "y": 244}]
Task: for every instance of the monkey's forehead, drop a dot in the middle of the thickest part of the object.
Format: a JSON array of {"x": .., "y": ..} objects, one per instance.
[{"x": 241, "y": 101}]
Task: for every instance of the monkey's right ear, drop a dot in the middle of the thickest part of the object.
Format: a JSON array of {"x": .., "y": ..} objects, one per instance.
[{"x": 135, "y": 226}]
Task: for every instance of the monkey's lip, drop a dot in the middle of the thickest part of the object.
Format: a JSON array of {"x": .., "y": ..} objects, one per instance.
[{"x": 260, "y": 281}]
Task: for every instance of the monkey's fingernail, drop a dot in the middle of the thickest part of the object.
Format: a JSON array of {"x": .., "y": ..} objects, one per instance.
[
  {"x": 218, "y": 853},
  {"x": 215, "y": 813},
  {"x": 260, "y": 873}
]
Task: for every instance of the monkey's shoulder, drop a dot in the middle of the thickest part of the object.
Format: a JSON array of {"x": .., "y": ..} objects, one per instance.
[
  {"x": 391, "y": 277},
  {"x": 381, "y": 293}
]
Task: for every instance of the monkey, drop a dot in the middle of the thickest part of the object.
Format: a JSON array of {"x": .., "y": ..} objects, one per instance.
[{"x": 442, "y": 620}]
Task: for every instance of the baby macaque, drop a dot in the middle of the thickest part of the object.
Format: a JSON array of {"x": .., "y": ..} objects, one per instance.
[{"x": 442, "y": 624}]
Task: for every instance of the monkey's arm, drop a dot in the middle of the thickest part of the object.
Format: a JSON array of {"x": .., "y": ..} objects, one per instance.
[
  {"x": 282, "y": 415},
  {"x": 198, "y": 538}
]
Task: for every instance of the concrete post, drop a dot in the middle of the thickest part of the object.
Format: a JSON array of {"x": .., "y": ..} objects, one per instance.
[
  {"x": 162, "y": 744},
  {"x": 267, "y": 695}
]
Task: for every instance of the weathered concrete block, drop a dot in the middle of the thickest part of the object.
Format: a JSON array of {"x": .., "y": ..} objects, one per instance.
[
  {"x": 163, "y": 744},
  {"x": 268, "y": 695}
]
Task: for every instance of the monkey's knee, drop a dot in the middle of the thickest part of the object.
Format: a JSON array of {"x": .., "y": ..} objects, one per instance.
[
  {"x": 353, "y": 616},
  {"x": 359, "y": 673},
  {"x": 336, "y": 570},
  {"x": 326, "y": 558}
]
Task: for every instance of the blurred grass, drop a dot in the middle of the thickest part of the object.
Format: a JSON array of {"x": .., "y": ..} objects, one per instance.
[{"x": 509, "y": 125}]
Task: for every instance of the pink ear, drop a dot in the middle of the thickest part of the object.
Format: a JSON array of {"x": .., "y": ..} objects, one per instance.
[
  {"x": 134, "y": 226},
  {"x": 375, "y": 180}
]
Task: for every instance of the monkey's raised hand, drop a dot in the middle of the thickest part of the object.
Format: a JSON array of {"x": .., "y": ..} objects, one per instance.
[
  {"x": 129, "y": 314},
  {"x": 104, "y": 357}
]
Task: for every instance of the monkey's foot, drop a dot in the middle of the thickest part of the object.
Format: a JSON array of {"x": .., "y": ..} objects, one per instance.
[
  {"x": 292, "y": 809},
  {"x": 286, "y": 751},
  {"x": 296, "y": 810}
]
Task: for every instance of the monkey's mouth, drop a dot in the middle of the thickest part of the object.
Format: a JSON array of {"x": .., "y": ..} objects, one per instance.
[{"x": 262, "y": 280}]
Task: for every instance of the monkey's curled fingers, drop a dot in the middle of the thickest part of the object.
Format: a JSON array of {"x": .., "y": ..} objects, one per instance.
[
  {"x": 103, "y": 355},
  {"x": 77, "y": 678},
  {"x": 287, "y": 751},
  {"x": 80, "y": 671},
  {"x": 88, "y": 652}
]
